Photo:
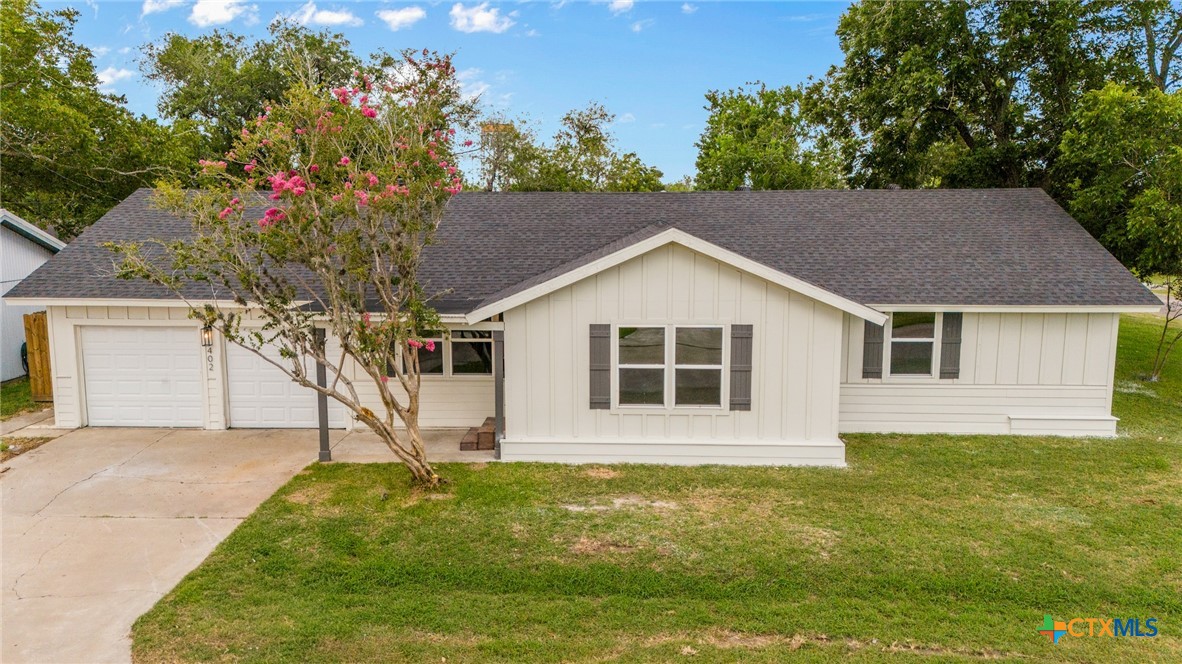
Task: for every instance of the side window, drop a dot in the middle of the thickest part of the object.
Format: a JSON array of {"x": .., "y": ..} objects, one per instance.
[{"x": 913, "y": 343}]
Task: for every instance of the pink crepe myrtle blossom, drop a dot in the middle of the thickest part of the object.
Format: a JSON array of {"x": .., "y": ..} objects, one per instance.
[
  {"x": 314, "y": 168},
  {"x": 225, "y": 212},
  {"x": 344, "y": 161},
  {"x": 430, "y": 345},
  {"x": 414, "y": 343},
  {"x": 369, "y": 112}
]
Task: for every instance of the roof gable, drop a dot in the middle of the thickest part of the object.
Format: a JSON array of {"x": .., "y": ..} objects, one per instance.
[{"x": 640, "y": 243}]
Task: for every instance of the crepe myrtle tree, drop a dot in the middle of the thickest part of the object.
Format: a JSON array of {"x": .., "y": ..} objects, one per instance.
[{"x": 317, "y": 218}]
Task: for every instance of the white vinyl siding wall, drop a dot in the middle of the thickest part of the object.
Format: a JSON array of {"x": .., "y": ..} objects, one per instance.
[
  {"x": 796, "y": 358},
  {"x": 18, "y": 258},
  {"x": 1037, "y": 373}
]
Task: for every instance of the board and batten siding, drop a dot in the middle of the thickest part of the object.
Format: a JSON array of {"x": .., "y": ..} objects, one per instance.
[
  {"x": 796, "y": 369},
  {"x": 1021, "y": 373}
]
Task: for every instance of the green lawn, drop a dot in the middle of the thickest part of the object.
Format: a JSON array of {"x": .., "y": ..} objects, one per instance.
[
  {"x": 926, "y": 547},
  {"x": 15, "y": 398}
]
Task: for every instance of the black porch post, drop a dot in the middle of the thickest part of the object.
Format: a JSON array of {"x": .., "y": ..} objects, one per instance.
[{"x": 322, "y": 399}]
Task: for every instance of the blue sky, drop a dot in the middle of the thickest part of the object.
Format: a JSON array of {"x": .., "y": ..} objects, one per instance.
[{"x": 648, "y": 62}]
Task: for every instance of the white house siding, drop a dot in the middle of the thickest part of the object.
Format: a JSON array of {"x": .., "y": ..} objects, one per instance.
[
  {"x": 450, "y": 402},
  {"x": 65, "y": 323},
  {"x": 796, "y": 359},
  {"x": 1022, "y": 373},
  {"x": 18, "y": 258}
]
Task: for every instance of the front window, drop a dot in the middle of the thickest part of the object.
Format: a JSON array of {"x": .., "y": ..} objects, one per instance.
[
  {"x": 656, "y": 363},
  {"x": 913, "y": 343},
  {"x": 471, "y": 353},
  {"x": 461, "y": 353},
  {"x": 642, "y": 366}
]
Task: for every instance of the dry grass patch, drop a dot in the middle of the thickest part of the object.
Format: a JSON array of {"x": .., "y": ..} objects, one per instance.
[
  {"x": 601, "y": 473},
  {"x": 16, "y": 446},
  {"x": 597, "y": 546}
]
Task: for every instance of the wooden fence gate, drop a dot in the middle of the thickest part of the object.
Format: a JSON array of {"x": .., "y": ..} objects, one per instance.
[{"x": 37, "y": 344}]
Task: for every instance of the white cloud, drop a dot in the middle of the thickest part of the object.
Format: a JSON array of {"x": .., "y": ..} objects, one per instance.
[
  {"x": 310, "y": 15},
  {"x": 626, "y": 118},
  {"x": 641, "y": 25},
  {"x": 479, "y": 18},
  {"x": 687, "y": 8},
  {"x": 532, "y": 33},
  {"x": 218, "y": 12},
  {"x": 157, "y": 6},
  {"x": 110, "y": 76},
  {"x": 620, "y": 6},
  {"x": 124, "y": 51},
  {"x": 471, "y": 84},
  {"x": 398, "y": 19},
  {"x": 100, "y": 51}
]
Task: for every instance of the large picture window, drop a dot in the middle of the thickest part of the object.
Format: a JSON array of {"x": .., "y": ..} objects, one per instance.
[
  {"x": 913, "y": 343},
  {"x": 669, "y": 365}
]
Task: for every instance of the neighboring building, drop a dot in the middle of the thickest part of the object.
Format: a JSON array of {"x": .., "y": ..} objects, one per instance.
[
  {"x": 23, "y": 248},
  {"x": 709, "y": 327}
]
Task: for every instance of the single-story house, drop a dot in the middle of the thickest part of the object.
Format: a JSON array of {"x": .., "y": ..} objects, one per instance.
[
  {"x": 707, "y": 327},
  {"x": 23, "y": 248}
]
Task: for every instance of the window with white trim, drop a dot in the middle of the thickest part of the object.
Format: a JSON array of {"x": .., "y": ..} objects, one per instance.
[
  {"x": 669, "y": 366},
  {"x": 460, "y": 353},
  {"x": 912, "y": 339}
]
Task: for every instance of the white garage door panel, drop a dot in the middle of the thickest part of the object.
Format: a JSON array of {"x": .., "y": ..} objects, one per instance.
[
  {"x": 142, "y": 376},
  {"x": 262, "y": 396}
]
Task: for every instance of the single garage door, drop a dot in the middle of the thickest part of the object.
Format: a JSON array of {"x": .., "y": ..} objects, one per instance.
[
  {"x": 142, "y": 376},
  {"x": 262, "y": 396}
]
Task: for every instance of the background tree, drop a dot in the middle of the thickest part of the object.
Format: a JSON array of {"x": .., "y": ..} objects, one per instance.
[
  {"x": 220, "y": 81},
  {"x": 761, "y": 139},
  {"x": 1132, "y": 142},
  {"x": 581, "y": 157},
  {"x": 68, "y": 151},
  {"x": 981, "y": 89},
  {"x": 358, "y": 180}
]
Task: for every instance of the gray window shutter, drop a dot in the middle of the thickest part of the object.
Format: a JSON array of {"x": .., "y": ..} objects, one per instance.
[
  {"x": 741, "y": 342},
  {"x": 601, "y": 366},
  {"x": 950, "y": 346},
  {"x": 872, "y": 351}
]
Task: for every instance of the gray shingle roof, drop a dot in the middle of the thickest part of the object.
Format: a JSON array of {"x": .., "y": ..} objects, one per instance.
[{"x": 935, "y": 247}]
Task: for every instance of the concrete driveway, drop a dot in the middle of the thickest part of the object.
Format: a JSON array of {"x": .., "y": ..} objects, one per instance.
[{"x": 100, "y": 523}]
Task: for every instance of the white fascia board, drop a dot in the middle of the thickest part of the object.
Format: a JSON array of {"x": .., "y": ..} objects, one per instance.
[
  {"x": 670, "y": 236},
  {"x": 31, "y": 232},
  {"x": 115, "y": 302},
  {"x": 1023, "y": 309}
]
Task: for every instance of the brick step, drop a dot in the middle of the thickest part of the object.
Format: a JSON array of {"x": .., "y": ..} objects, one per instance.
[{"x": 482, "y": 437}]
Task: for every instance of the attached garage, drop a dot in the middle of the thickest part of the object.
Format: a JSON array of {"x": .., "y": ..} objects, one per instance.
[
  {"x": 142, "y": 376},
  {"x": 263, "y": 397}
]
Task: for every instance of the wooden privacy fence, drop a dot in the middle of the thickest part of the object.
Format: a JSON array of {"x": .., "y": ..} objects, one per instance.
[{"x": 37, "y": 344}]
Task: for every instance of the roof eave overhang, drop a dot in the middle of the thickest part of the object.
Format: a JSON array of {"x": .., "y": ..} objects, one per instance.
[
  {"x": 30, "y": 232},
  {"x": 1026, "y": 308},
  {"x": 680, "y": 237}
]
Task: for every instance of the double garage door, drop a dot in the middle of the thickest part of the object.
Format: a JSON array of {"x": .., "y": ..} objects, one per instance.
[{"x": 153, "y": 377}]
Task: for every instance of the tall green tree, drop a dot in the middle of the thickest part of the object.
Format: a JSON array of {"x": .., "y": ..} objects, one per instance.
[
  {"x": 1131, "y": 143},
  {"x": 68, "y": 150},
  {"x": 965, "y": 94},
  {"x": 760, "y": 138},
  {"x": 582, "y": 156},
  {"x": 221, "y": 80}
]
